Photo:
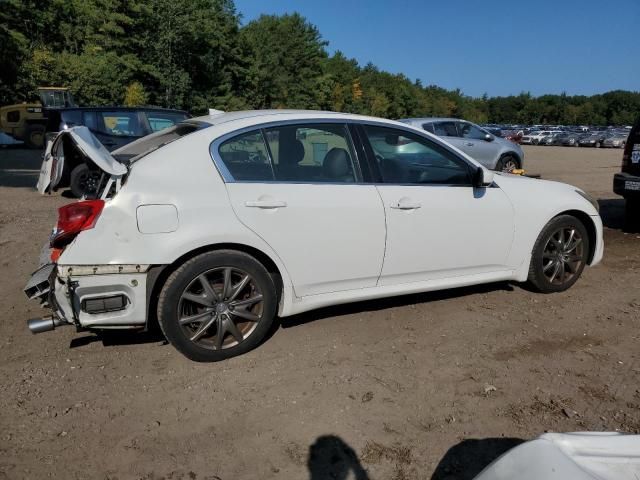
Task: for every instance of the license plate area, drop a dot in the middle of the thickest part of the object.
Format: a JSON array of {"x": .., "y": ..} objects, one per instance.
[{"x": 632, "y": 185}]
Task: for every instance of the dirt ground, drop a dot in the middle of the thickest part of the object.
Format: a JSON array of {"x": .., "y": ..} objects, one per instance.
[{"x": 424, "y": 386}]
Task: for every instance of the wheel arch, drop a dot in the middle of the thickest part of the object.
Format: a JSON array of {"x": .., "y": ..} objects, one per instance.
[
  {"x": 158, "y": 274},
  {"x": 587, "y": 221},
  {"x": 511, "y": 153}
]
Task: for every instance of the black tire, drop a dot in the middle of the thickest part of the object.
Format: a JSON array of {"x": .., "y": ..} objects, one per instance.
[
  {"x": 172, "y": 304},
  {"x": 543, "y": 253},
  {"x": 507, "y": 163},
  {"x": 34, "y": 137},
  {"x": 632, "y": 214},
  {"x": 597, "y": 145},
  {"x": 84, "y": 180}
]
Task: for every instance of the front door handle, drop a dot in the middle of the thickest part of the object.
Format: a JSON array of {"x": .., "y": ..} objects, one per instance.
[
  {"x": 265, "y": 204},
  {"x": 470, "y": 144},
  {"x": 401, "y": 205}
]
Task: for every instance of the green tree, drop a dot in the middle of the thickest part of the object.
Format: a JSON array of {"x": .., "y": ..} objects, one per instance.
[
  {"x": 287, "y": 61},
  {"x": 135, "y": 95}
]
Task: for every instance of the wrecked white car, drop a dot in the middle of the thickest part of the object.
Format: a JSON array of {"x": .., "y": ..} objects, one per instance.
[{"x": 218, "y": 224}]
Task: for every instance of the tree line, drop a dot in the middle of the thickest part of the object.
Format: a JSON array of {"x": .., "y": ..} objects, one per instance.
[{"x": 196, "y": 54}]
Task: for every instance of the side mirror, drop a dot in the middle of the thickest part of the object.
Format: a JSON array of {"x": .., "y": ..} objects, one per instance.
[
  {"x": 482, "y": 178},
  {"x": 488, "y": 137}
]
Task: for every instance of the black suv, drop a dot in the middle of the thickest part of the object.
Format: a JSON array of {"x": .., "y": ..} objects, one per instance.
[
  {"x": 627, "y": 182},
  {"x": 114, "y": 127}
]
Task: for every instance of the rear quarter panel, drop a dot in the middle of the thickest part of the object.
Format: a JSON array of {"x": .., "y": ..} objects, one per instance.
[{"x": 181, "y": 174}]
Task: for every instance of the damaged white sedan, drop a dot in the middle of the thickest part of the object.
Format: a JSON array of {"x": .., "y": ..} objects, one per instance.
[{"x": 217, "y": 225}]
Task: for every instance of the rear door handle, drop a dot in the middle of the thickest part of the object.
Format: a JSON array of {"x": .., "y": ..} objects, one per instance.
[
  {"x": 470, "y": 144},
  {"x": 265, "y": 204},
  {"x": 406, "y": 205}
]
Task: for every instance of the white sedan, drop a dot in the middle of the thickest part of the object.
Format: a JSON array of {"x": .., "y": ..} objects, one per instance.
[{"x": 217, "y": 225}]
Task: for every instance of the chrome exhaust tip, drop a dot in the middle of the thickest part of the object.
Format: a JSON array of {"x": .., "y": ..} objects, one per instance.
[{"x": 40, "y": 325}]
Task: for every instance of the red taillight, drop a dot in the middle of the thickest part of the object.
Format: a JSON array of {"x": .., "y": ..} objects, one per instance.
[{"x": 73, "y": 219}]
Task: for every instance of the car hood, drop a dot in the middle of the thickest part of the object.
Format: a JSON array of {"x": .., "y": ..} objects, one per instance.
[{"x": 562, "y": 195}]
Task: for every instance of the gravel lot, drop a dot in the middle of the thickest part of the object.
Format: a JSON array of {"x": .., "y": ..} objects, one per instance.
[{"x": 423, "y": 386}]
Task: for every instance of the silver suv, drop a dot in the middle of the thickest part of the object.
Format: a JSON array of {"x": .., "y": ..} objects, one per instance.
[{"x": 493, "y": 152}]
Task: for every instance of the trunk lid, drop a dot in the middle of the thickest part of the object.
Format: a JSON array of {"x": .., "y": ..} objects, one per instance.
[{"x": 86, "y": 144}]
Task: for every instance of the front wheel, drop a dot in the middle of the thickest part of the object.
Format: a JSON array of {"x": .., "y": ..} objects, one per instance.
[
  {"x": 217, "y": 305},
  {"x": 559, "y": 255},
  {"x": 508, "y": 163}
]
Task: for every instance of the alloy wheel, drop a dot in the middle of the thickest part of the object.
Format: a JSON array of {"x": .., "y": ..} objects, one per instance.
[
  {"x": 510, "y": 165},
  {"x": 220, "y": 308},
  {"x": 89, "y": 181},
  {"x": 563, "y": 255}
]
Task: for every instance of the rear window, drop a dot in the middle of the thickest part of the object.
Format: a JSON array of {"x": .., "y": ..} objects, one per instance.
[
  {"x": 145, "y": 145},
  {"x": 161, "y": 120}
]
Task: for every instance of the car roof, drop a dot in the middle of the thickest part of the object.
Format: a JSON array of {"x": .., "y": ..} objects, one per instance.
[
  {"x": 266, "y": 116},
  {"x": 432, "y": 119},
  {"x": 110, "y": 108}
]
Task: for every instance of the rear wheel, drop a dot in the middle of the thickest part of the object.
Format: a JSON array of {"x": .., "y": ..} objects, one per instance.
[
  {"x": 597, "y": 145},
  {"x": 559, "y": 255},
  {"x": 217, "y": 305},
  {"x": 84, "y": 180},
  {"x": 35, "y": 136}
]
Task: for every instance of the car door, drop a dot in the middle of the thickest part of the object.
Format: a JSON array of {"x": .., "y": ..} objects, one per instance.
[
  {"x": 438, "y": 224},
  {"x": 299, "y": 188},
  {"x": 476, "y": 145}
]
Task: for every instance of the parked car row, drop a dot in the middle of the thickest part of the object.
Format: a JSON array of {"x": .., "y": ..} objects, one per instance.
[
  {"x": 573, "y": 136},
  {"x": 611, "y": 139}
]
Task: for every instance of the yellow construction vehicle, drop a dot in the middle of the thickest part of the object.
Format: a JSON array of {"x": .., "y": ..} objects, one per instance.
[{"x": 27, "y": 121}]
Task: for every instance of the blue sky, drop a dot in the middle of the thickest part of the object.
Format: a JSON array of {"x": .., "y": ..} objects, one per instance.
[{"x": 494, "y": 46}]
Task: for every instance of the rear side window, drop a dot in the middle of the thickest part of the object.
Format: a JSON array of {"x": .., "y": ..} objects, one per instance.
[
  {"x": 121, "y": 124},
  {"x": 314, "y": 153},
  {"x": 445, "y": 129},
  {"x": 246, "y": 157},
  {"x": 311, "y": 153},
  {"x": 428, "y": 127}
]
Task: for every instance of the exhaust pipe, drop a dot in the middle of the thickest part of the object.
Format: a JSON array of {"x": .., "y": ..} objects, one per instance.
[{"x": 40, "y": 325}]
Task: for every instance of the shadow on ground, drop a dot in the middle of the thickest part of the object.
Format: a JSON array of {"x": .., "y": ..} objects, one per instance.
[
  {"x": 391, "y": 302},
  {"x": 468, "y": 458},
  {"x": 613, "y": 215},
  {"x": 331, "y": 458},
  {"x": 119, "y": 338}
]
